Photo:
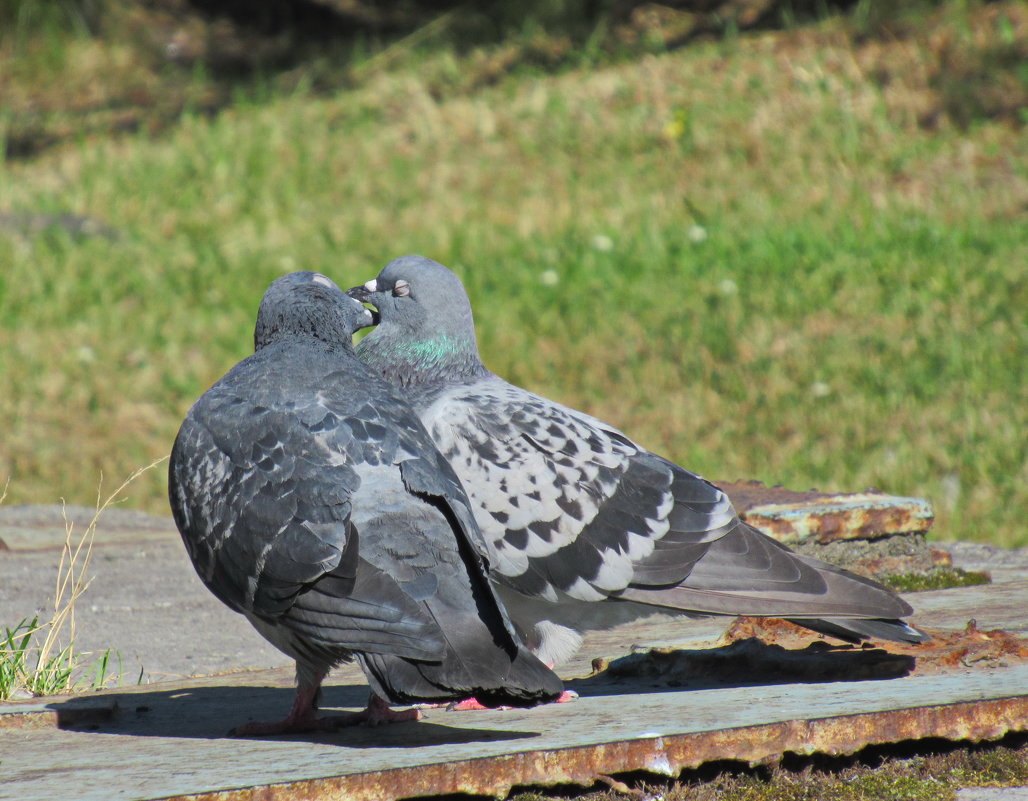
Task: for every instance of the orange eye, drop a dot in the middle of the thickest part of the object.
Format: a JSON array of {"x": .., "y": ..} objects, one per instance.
[{"x": 401, "y": 288}]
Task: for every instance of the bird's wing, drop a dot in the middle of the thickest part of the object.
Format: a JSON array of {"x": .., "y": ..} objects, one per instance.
[
  {"x": 567, "y": 504},
  {"x": 417, "y": 526},
  {"x": 263, "y": 498}
]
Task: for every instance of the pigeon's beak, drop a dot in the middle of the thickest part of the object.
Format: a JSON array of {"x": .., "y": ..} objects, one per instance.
[
  {"x": 368, "y": 317},
  {"x": 363, "y": 294},
  {"x": 364, "y": 291},
  {"x": 372, "y": 318}
]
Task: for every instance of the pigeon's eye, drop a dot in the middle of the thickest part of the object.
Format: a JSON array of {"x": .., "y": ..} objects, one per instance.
[{"x": 401, "y": 289}]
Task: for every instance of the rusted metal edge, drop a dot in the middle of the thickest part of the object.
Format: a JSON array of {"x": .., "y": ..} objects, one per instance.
[
  {"x": 667, "y": 755},
  {"x": 835, "y": 517}
]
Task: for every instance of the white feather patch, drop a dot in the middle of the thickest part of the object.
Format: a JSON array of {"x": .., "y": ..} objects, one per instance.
[
  {"x": 584, "y": 591},
  {"x": 557, "y": 644}
]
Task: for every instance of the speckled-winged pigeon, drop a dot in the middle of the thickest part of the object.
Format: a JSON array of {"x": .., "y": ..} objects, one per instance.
[
  {"x": 574, "y": 512},
  {"x": 312, "y": 501}
]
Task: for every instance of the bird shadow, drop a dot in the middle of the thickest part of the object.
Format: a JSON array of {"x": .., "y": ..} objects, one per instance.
[
  {"x": 744, "y": 663},
  {"x": 208, "y": 712}
]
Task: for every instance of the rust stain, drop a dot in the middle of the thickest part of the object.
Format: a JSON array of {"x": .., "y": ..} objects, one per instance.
[
  {"x": 897, "y": 565},
  {"x": 971, "y": 647},
  {"x": 788, "y": 515},
  {"x": 667, "y": 755},
  {"x": 947, "y": 650},
  {"x": 826, "y": 524},
  {"x": 747, "y": 494}
]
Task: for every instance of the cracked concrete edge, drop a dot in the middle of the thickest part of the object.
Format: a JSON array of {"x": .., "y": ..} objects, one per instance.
[{"x": 992, "y": 794}]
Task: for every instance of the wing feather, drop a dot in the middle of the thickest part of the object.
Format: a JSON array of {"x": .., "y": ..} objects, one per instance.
[{"x": 568, "y": 504}]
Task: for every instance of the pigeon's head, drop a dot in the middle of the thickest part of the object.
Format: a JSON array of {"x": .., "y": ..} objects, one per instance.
[
  {"x": 417, "y": 294},
  {"x": 424, "y": 319},
  {"x": 308, "y": 304}
]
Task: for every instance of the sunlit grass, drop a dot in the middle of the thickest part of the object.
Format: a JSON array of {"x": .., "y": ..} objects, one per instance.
[
  {"x": 38, "y": 656},
  {"x": 753, "y": 256}
]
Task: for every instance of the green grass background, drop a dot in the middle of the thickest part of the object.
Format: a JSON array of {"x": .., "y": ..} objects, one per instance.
[{"x": 760, "y": 256}]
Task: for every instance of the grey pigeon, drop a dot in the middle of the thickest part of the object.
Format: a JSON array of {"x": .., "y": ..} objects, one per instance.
[
  {"x": 574, "y": 512},
  {"x": 312, "y": 501}
]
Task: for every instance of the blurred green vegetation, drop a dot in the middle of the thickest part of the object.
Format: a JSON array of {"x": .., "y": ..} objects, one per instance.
[{"x": 791, "y": 253}]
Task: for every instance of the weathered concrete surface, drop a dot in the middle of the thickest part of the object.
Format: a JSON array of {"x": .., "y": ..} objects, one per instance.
[
  {"x": 993, "y": 794},
  {"x": 167, "y": 742},
  {"x": 30, "y": 528},
  {"x": 167, "y": 738},
  {"x": 146, "y": 603}
]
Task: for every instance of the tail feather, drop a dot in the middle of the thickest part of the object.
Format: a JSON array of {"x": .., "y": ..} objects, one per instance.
[
  {"x": 748, "y": 573},
  {"x": 856, "y": 629},
  {"x": 526, "y": 682}
]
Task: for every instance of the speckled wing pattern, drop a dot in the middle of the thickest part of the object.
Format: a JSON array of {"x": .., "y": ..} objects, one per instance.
[{"x": 568, "y": 505}]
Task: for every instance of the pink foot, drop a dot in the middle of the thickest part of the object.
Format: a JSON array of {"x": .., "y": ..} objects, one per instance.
[
  {"x": 378, "y": 713},
  {"x": 473, "y": 704}
]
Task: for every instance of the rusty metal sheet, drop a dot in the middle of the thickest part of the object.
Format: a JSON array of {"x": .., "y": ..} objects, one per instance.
[
  {"x": 170, "y": 742},
  {"x": 826, "y": 518}
]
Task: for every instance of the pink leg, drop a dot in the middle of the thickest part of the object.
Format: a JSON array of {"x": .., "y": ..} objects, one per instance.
[
  {"x": 302, "y": 717},
  {"x": 473, "y": 704},
  {"x": 378, "y": 713}
]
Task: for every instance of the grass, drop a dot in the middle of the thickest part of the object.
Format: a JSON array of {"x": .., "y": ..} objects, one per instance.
[
  {"x": 940, "y": 578},
  {"x": 782, "y": 255},
  {"x": 39, "y": 657}
]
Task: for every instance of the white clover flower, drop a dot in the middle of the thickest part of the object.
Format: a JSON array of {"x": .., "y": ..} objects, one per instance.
[{"x": 697, "y": 234}]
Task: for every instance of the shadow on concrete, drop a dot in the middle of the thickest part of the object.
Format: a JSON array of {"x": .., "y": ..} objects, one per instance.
[
  {"x": 209, "y": 712},
  {"x": 749, "y": 662}
]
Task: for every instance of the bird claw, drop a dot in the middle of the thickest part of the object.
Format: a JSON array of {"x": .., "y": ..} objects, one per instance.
[
  {"x": 473, "y": 704},
  {"x": 470, "y": 704},
  {"x": 376, "y": 715}
]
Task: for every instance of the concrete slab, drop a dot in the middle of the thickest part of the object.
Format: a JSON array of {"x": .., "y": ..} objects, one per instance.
[
  {"x": 993, "y": 794},
  {"x": 31, "y": 528},
  {"x": 170, "y": 742},
  {"x": 167, "y": 739}
]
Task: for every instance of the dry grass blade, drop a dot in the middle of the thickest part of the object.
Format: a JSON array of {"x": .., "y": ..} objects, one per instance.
[{"x": 55, "y": 664}]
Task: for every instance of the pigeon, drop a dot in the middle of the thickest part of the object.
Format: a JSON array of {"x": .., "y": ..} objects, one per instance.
[
  {"x": 584, "y": 528},
  {"x": 311, "y": 500}
]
